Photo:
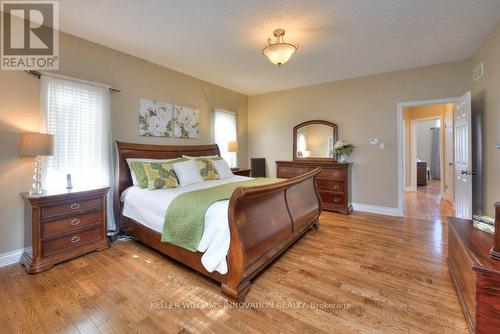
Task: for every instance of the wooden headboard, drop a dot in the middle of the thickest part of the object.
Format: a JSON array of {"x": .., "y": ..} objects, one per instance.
[{"x": 123, "y": 180}]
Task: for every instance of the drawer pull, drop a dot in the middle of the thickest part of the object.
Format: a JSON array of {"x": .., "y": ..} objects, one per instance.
[
  {"x": 336, "y": 200},
  {"x": 75, "y": 206},
  {"x": 75, "y": 221},
  {"x": 75, "y": 239},
  {"x": 336, "y": 186}
]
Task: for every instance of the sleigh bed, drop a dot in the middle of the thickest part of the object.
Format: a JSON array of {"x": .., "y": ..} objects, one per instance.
[{"x": 263, "y": 220}]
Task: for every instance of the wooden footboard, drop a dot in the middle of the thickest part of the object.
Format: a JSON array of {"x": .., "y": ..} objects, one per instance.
[{"x": 264, "y": 221}]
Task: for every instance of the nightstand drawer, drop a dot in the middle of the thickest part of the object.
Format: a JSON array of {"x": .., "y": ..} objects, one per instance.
[
  {"x": 71, "y": 223},
  {"x": 329, "y": 185},
  {"x": 71, "y": 240},
  {"x": 71, "y": 207}
]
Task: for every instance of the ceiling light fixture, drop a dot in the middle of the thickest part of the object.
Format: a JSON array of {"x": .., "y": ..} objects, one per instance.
[{"x": 279, "y": 52}]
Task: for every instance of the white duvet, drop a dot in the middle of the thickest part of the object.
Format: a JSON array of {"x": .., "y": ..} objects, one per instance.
[{"x": 148, "y": 207}]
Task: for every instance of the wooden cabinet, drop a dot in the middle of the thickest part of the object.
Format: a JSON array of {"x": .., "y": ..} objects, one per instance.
[
  {"x": 475, "y": 274},
  {"x": 62, "y": 226},
  {"x": 421, "y": 173},
  {"x": 334, "y": 181},
  {"x": 242, "y": 171}
]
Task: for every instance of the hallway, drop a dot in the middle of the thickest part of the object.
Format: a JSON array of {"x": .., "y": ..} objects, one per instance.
[{"x": 426, "y": 203}]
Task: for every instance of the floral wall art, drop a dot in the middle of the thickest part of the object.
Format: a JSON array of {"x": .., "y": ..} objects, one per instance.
[{"x": 159, "y": 119}]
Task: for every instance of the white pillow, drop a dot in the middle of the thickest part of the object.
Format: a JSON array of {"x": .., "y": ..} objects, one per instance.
[
  {"x": 130, "y": 160},
  {"x": 201, "y": 157},
  {"x": 187, "y": 172},
  {"x": 222, "y": 168}
]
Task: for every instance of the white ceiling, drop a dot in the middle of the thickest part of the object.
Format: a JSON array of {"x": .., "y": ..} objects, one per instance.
[{"x": 221, "y": 41}]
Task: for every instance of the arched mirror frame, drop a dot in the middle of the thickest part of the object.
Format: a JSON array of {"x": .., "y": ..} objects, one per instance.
[{"x": 298, "y": 126}]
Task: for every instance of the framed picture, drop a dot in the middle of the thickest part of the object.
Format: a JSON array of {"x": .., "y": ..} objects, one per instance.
[
  {"x": 156, "y": 119},
  {"x": 186, "y": 122}
]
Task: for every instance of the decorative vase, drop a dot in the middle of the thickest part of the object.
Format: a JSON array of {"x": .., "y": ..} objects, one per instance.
[{"x": 343, "y": 158}]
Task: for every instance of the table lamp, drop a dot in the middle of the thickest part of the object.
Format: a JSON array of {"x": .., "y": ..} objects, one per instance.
[
  {"x": 37, "y": 145},
  {"x": 232, "y": 147}
]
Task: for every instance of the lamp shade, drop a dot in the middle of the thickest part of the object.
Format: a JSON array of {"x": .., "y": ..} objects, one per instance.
[
  {"x": 37, "y": 144},
  {"x": 232, "y": 146},
  {"x": 279, "y": 53}
]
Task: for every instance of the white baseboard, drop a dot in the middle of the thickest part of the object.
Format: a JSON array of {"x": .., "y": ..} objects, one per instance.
[
  {"x": 382, "y": 210},
  {"x": 11, "y": 257},
  {"x": 409, "y": 189}
]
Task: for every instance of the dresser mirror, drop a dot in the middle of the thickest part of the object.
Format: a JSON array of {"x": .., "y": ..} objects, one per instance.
[{"x": 314, "y": 140}]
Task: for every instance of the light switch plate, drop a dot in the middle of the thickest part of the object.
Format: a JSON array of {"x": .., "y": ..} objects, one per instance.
[{"x": 381, "y": 146}]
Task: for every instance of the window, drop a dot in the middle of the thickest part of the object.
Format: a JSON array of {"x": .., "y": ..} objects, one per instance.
[
  {"x": 225, "y": 132},
  {"x": 78, "y": 115}
]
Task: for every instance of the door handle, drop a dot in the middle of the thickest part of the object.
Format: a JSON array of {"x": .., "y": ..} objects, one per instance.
[
  {"x": 450, "y": 163},
  {"x": 473, "y": 172},
  {"x": 463, "y": 172}
]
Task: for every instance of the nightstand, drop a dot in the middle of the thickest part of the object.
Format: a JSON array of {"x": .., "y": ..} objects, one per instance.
[
  {"x": 241, "y": 171},
  {"x": 62, "y": 226}
]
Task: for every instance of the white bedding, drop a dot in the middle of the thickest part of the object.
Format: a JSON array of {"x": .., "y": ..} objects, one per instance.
[{"x": 149, "y": 207}]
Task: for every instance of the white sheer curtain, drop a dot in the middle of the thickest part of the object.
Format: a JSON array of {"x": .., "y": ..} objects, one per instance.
[
  {"x": 224, "y": 132},
  {"x": 78, "y": 115}
]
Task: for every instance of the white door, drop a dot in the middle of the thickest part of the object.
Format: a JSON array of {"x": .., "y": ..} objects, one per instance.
[
  {"x": 463, "y": 157},
  {"x": 449, "y": 159}
]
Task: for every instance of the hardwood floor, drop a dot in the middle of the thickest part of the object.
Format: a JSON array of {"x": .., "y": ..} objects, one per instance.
[
  {"x": 359, "y": 273},
  {"x": 433, "y": 187},
  {"x": 426, "y": 203}
]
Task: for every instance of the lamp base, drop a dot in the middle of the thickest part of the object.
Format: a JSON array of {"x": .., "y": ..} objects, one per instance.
[
  {"x": 34, "y": 193},
  {"x": 37, "y": 184}
]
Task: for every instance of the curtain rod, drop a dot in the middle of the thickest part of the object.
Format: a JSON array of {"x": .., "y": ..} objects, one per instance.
[
  {"x": 39, "y": 74},
  {"x": 222, "y": 110}
]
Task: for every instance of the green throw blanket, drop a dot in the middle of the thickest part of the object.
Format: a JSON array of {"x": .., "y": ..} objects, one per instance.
[{"x": 185, "y": 218}]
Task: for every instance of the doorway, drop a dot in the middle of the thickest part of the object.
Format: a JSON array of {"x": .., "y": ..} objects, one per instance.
[
  {"x": 456, "y": 165},
  {"x": 427, "y": 182}
]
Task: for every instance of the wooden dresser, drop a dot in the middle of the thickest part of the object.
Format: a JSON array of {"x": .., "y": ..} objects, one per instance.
[
  {"x": 63, "y": 226},
  {"x": 421, "y": 173},
  {"x": 475, "y": 274},
  {"x": 334, "y": 181}
]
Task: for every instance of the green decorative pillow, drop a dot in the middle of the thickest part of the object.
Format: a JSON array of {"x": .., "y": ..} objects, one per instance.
[
  {"x": 207, "y": 170},
  {"x": 140, "y": 173},
  {"x": 160, "y": 175}
]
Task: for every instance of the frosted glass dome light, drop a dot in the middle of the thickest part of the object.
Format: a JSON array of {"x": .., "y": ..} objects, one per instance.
[{"x": 279, "y": 52}]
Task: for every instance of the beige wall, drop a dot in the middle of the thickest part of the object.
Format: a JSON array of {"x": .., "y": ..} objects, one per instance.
[
  {"x": 136, "y": 78},
  {"x": 362, "y": 108},
  {"x": 486, "y": 101}
]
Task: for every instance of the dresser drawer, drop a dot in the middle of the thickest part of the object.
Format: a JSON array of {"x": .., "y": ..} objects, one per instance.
[
  {"x": 329, "y": 197},
  {"x": 330, "y": 185},
  {"x": 71, "y": 223},
  {"x": 288, "y": 172},
  {"x": 71, "y": 241},
  {"x": 332, "y": 174},
  {"x": 71, "y": 207}
]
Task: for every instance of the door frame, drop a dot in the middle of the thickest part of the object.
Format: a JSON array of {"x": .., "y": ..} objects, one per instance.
[{"x": 401, "y": 149}]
